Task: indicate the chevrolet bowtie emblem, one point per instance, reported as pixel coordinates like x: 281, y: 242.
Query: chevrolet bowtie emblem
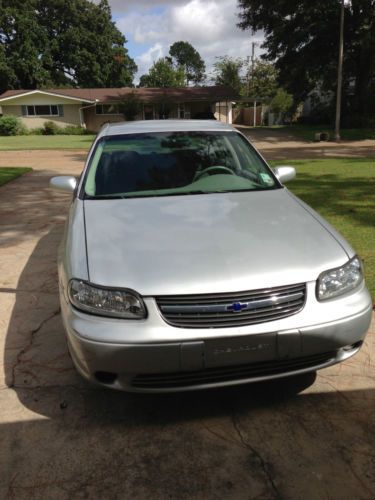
x: 237, y: 307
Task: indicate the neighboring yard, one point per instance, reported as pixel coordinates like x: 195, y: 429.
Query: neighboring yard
x: 9, y: 173
x: 21, y: 142
x: 24, y: 142
x: 342, y: 191
x: 308, y: 132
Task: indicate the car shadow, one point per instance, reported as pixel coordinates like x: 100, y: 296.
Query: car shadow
x: 66, y: 438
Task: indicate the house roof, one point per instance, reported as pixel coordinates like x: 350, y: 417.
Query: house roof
x: 13, y: 94
x: 145, y: 94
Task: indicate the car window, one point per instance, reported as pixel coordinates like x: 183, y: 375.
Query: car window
x: 172, y: 163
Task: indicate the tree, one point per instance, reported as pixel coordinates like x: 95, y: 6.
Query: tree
x: 59, y: 43
x: 8, y: 78
x: 184, y: 54
x: 130, y: 106
x: 261, y: 81
x: 163, y: 74
x: 227, y: 72
x: 302, y: 37
x: 281, y: 103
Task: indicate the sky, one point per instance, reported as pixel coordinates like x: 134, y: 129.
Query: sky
x: 209, y: 25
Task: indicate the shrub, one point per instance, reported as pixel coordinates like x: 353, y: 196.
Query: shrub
x: 282, y: 102
x: 72, y: 130
x: 36, y: 131
x: 50, y: 128
x: 130, y: 106
x: 11, y: 125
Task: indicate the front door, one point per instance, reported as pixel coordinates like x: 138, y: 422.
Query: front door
x: 148, y: 111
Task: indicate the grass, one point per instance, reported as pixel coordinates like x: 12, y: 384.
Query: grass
x: 342, y: 191
x: 308, y: 132
x: 7, y: 174
x: 21, y: 142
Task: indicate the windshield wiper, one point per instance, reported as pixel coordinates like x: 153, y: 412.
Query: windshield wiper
x: 104, y: 197
x: 193, y: 191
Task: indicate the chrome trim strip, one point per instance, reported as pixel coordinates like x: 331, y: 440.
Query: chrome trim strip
x: 245, y: 306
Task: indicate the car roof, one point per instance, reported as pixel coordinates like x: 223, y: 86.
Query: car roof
x: 147, y: 126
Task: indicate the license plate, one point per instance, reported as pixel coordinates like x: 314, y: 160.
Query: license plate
x: 240, y: 350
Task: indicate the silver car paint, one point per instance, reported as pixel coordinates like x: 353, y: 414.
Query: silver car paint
x: 206, y: 243
x: 72, y: 255
x: 228, y: 242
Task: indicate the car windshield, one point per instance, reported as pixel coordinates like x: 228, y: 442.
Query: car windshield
x: 175, y: 163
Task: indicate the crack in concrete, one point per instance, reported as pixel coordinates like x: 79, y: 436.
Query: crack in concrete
x: 263, y: 464
x: 29, y: 345
x: 220, y: 436
x: 22, y: 388
x: 25, y: 290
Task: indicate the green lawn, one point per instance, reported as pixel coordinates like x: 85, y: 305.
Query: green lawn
x: 9, y: 173
x: 342, y: 191
x: 20, y: 142
x: 308, y: 132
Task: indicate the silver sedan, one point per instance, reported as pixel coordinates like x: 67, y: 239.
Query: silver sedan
x: 187, y: 264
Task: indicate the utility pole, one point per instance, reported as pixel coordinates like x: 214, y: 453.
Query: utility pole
x: 250, y: 72
x: 252, y: 56
x: 339, y: 74
x: 253, y: 44
x: 247, y: 76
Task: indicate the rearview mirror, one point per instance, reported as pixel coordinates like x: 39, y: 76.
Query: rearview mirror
x: 285, y: 173
x: 66, y: 183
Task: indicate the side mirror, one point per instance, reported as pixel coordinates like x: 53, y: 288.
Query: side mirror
x: 65, y: 183
x: 285, y: 173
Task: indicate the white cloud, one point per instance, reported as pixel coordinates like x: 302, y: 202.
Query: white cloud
x: 144, y: 28
x: 146, y: 60
x: 203, y: 21
x: 126, y: 5
x: 209, y: 25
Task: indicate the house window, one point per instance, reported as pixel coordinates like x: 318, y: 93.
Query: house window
x: 42, y: 110
x: 107, y: 109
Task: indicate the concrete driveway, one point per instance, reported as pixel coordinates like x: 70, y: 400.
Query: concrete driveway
x: 308, y: 437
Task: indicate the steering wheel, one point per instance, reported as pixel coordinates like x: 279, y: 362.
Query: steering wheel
x: 198, y: 175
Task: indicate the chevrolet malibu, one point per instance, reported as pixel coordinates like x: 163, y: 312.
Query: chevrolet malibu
x: 186, y: 264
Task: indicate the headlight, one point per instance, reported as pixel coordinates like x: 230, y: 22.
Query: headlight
x: 106, y: 302
x: 339, y: 280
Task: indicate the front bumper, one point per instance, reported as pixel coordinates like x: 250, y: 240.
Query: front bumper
x: 167, y: 359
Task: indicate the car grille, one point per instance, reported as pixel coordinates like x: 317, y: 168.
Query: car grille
x: 224, y: 310
x: 230, y: 373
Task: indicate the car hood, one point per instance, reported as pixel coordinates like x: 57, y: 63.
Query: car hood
x: 222, y: 242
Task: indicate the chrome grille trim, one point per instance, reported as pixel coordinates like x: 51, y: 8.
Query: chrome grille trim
x: 225, y: 310
x: 254, y: 304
